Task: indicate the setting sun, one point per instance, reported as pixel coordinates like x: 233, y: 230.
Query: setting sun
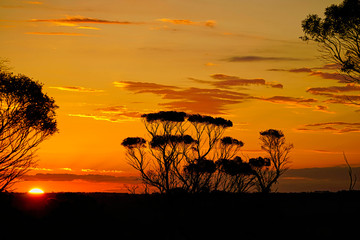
x: 36, y: 191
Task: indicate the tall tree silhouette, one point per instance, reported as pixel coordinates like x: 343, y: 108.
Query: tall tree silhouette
x: 338, y: 35
x: 268, y: 170
x: 27, y: 117
x: 182, y: 150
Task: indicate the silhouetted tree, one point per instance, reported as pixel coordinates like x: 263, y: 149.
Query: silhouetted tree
x: 338, y: 35
x: 208, y: 147
x: 234, y: 175
x: 27, y: 117
x: 268, y: 170
x: 182, y: 150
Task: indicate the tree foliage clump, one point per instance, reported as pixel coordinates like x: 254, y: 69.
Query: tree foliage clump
x: 27, y: 117
x: 189, y: 152
x: 338, y: 36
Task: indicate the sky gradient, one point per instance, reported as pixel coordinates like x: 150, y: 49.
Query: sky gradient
x: 107, y: 62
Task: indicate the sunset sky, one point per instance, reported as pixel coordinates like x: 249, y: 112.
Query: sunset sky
x: 106, y: 62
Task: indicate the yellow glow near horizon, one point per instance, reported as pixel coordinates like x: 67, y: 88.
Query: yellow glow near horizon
x: 36, y: 191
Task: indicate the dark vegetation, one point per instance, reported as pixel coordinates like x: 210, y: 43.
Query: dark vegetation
x: 27, y: 118
x: 338, y: 36
x: 188, y: 153
x: 182, y: 216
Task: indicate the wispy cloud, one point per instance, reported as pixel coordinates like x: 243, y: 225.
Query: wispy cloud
x: 82, y: 23
x: 199, y: 100
x: 118, y: 112
x: 258, y: 59
x: 95, y: 117
x: 78, y: 89
x: 81, y: 19
x: 322, y: 151
x: 332, y: 93
x: 142, y: 87
x: 214, y: 100
x: 341, y: 78
x: 56, y: 33
x: 333, y: 127
x: 322, y: 108
x: 208, y: 23
x: 226, y: 81
x: 114, y: 114
x: 304, y: 102
x: 333, y: 89
x: 299, y: 102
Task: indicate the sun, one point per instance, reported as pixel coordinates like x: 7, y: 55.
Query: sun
x: 36, y: 191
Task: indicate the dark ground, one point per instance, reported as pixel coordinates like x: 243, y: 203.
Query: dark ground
x: 204, y: 216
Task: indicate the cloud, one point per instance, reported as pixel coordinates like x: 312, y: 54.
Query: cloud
x: 206, y: 101
x: 293, y: 70
x: 333, y: 66
x: 332, y: 92
x: 258, y: 59
x: 208, y: 23
x: 78, y: 89
x: 95, y: 117
x: 351, y: 100
x: 226, y: 81
x: 213, y: 100
x: 333, y: 127
x: 322, y: 151
x: 341, y: 78
x: 197, y: 100
x: 88, y: 28
x: 298, y: 102
x: 74, y: 177
x: 119, y: 112
x: 334, y: 76
x: 333, y: 97
x: 81, y: 19
x: 322, y: 108
x: 114, y: 114
x: 333, y: 89
x: 304, y: 102
x: 56, y: 33
x: 142, y: 87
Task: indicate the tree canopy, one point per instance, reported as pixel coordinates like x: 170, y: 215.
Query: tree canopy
x: 338, y: 35
x: 27, y: 117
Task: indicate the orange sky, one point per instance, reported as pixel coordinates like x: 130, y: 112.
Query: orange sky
x: 106, y: 62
